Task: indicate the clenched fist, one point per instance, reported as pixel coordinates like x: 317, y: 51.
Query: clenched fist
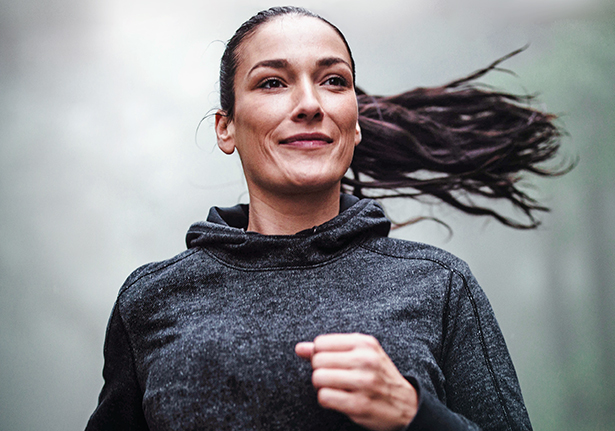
x: 354, y: 375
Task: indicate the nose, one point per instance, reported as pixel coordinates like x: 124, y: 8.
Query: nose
x: 308, y: 106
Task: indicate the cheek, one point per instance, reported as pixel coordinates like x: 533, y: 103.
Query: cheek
x: 259, y: 120
x: 347, y: 115
x: 253, y: 138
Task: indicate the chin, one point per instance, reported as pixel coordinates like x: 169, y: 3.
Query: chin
x: 311, y: 184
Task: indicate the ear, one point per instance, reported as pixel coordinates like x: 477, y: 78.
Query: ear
x: 357, y: 136
x: 225, y: 132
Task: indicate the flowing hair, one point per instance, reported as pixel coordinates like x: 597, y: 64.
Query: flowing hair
x: 452, y: 142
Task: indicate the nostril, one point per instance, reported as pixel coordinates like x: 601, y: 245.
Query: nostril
x: 305, y: 112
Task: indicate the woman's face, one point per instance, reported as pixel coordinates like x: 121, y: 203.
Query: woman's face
x: 296, y: 123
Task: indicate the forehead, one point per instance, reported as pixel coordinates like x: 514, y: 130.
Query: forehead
x: 292, y: 37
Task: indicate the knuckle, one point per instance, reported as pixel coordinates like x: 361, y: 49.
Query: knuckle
x: 358, y: 337
x: 367, y: 380
x: 371, y: 341
x: 319, y: 338
x: 316, y: 360
x: 370, y: 360
x: 318, y: 342
x: 366, y: 340
x: 318, y: 378
x: 322, y: 341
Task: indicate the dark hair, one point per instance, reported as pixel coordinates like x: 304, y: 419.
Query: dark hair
x: 230, y: 57
x: 453, y: 142
x: 449, y: 142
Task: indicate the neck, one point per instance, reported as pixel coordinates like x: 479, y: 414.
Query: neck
x: 289, y: 214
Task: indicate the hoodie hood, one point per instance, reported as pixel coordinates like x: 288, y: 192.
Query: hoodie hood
x: 224, y: 235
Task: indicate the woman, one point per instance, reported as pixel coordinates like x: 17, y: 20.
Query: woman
x: 297, y: 311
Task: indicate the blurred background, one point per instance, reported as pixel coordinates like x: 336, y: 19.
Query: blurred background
x: 102, y: 169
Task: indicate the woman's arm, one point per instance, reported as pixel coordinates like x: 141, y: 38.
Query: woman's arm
x: 119, y: 404
x: 481, y: 382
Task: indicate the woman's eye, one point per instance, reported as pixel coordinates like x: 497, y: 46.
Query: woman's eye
x: 336, y: 81
x: 272, y: 83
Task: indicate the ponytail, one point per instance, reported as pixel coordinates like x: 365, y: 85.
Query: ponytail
x: 453, y: 142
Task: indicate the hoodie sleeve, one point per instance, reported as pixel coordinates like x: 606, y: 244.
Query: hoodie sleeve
x: 434, y: 415
x: 119, y: 404
x: 481, y: 384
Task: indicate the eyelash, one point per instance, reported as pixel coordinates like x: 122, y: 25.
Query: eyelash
x: 342, y: 82
x: 266, y: 84
x: 338, y: 81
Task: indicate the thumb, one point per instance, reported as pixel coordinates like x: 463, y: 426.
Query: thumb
x: 305, y: 350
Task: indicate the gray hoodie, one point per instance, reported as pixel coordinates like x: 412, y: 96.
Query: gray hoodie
x: 205, y: 340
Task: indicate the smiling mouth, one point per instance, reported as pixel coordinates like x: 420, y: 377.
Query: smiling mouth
x: 307, y: 140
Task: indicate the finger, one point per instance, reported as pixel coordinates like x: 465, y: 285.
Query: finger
x: 357, y: 358
x: 348, y: 380
x: 369, y: 413
x: 328, y: 359
x: 342, y: 342
x: 342, y: 401
x: 305, y: 350
x: 362, y: 410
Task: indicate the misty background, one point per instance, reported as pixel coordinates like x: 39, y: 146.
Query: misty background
x: 102, y: 169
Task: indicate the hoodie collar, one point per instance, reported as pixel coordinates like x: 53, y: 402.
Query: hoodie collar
x: 224, y: 235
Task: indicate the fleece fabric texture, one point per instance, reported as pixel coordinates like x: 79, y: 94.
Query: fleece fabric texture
x: 205, y: 340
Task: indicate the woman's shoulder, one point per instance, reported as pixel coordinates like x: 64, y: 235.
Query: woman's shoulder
x: 428, y: 260
x: 154, y: 274
x: 412, y: 250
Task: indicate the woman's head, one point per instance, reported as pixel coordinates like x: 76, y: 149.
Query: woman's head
x: 294, y: 117
x: 230, y: 58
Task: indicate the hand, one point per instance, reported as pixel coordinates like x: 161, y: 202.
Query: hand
x: 354, y: 375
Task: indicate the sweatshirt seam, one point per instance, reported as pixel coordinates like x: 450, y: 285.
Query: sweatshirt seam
x: 483, y: 344
x: 445, y: 316
x: 184, y: 255
x: 442, y: 264
x: 486, y: 355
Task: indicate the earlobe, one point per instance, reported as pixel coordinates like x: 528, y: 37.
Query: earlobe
x: 225, y: 132
x: 357, y: 137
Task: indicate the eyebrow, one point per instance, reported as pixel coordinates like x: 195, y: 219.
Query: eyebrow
x: 330, y: 61
x: 274, y: 64
x: 282, y: 64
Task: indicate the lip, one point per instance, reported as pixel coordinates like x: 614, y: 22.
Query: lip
x: 307, y: 140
